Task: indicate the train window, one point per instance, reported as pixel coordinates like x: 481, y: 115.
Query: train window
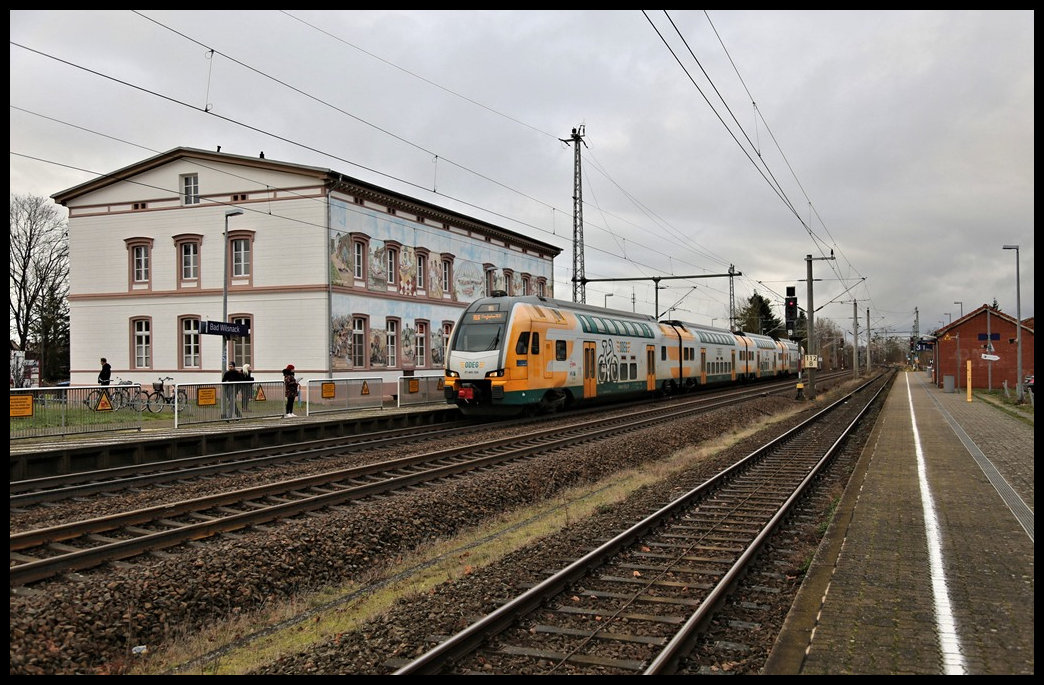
x: 663, y: 353
x: 478, y: 337
x: 523, y: 343
x: 535, y: 349
x: 634, y: 370
x: 560, y: 350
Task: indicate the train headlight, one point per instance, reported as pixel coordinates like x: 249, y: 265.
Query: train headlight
x: 499, y: 373
x: 452, y: 374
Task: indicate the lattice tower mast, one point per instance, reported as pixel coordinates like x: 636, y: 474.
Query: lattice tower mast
x: 579, y: 278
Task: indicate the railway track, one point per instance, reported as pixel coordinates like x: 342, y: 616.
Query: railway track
x: 44, y: 553
x: 30, y: 492
x: 637, y: 604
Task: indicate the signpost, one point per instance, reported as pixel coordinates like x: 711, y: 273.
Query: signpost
x: 226, y: 329
x: 991, y: 357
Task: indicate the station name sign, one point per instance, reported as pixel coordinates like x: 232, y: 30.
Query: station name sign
x: 222, y: 328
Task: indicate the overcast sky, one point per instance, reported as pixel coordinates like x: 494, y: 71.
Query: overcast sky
x: 901, y: 140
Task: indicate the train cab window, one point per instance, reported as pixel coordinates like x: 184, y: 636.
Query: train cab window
x: 663, y: 353
x: 535, y: 348
x: 560, y: 350
x: 523, y: 343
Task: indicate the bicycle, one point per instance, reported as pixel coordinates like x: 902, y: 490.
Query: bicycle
x: 159, y: 399
x: 120, y: 397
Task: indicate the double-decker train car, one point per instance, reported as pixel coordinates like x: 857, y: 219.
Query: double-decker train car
x: 511, y: 355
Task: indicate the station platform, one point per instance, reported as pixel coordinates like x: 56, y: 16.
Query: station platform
x: 927, y: 567
x: 159, y: 440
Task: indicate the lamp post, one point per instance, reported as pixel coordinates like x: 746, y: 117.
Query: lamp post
x: 1018, y: 324
x: 605, y: 302
x: 949, y: 315
x: 962, y: 307
x: 224, y: 290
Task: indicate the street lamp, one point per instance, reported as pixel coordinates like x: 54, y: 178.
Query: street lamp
x: 1018, y: 324
x: 605, y: 302
x: 949, y: 315
x: 224, y: 291
x: 962, y: 307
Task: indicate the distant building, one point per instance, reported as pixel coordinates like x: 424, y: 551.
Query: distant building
x: 335, y: 275
x: 984, y: 331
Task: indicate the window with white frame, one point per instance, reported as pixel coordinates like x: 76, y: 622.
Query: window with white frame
x: 360, y: 259
x: 393, y: 266
x: 189, y: 261
x: 359, y: 342
x: 142, y: 343
x: 190, y: 343
x: 242, y: 346
x: 421, y: 345
x: 445, y: 276
x: 141, y: 263
x: 240, y: 257
x: 190, y: 189
x: 422, y: 270
x: 525, y: 285
x: 392, y: 342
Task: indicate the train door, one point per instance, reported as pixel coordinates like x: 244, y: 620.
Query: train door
x: 590, y: 370
x: 732, y: 367
x: 703, y: 366
x: 650, y: 367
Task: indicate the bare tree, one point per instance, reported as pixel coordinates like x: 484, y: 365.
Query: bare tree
x: 39, y: 263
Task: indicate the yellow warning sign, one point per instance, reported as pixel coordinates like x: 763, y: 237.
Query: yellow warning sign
x: 365, y: 389
x: 329, y: 391
x: 104, y: 403
x: 414, y: 385
x: 259, y: 394
x: 442, y: 384
x: 21, y: 405
x: 206, y: 397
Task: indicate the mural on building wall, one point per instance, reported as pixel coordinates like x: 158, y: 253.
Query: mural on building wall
x: 468, y: 283
x: 342, y: 259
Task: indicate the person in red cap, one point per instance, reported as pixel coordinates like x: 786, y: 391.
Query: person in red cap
x: 290, y: 388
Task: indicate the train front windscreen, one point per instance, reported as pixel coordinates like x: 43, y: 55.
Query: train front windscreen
x: 480, y: 332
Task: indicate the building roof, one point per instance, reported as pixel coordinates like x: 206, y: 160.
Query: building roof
x: 333, y: 180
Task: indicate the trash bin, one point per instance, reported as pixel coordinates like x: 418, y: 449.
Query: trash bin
x: 948, y: 384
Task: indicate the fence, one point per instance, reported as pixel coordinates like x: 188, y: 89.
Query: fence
x: 39, y: 412
x: 341, y: 394
x: 415, y: 390
x: 216, y: 402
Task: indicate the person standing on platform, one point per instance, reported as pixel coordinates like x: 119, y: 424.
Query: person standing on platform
x: 228, y: 392
x: 105, y: 374
x: 246, y: 388
x: 290, y: 390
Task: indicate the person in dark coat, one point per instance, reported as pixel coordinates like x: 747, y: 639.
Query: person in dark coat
x: 290, y: 390
x: 228, y: 392
x: 105, y: 374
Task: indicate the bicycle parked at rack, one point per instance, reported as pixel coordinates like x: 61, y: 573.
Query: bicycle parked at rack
x: 121, y: 396
x: 159, y: 399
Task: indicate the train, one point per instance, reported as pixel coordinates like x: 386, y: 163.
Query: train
x: 513, y: 355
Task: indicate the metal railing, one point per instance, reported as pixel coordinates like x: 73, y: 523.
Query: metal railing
x: 414, y: 390
x: 39, y: 412
x: 229, y: 402
x: 342, y: 394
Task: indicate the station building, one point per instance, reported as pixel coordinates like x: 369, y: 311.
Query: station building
x: 977, y: 337
x: 335, y: 275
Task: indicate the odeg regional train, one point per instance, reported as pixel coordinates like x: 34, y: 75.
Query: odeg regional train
x: 513, y: 355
